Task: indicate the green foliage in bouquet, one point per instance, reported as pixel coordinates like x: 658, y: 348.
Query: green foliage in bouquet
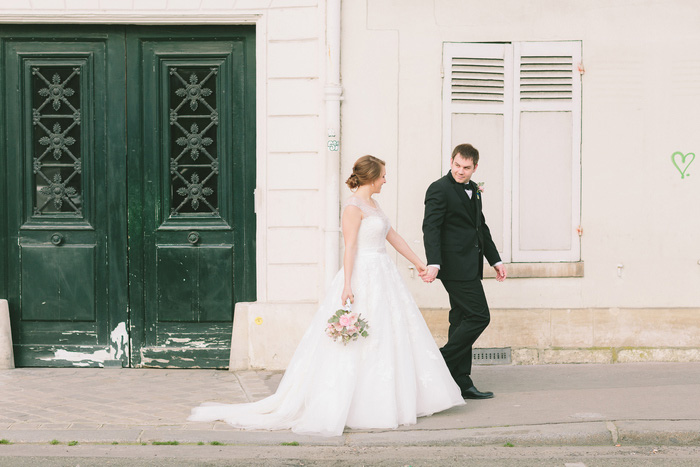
x: 344, y: 326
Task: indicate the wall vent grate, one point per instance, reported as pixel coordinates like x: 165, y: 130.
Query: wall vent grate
x: 491, y: 356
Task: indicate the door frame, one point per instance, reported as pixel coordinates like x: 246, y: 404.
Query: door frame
x: 165, y: 17
x: 112, y: 322
x: 244, y: 180
x: 4, y: 211
x: 127, y: 305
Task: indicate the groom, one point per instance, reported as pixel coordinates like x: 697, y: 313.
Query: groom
x: 456, y: 240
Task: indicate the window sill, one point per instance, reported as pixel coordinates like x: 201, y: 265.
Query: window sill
x: 522, y: 270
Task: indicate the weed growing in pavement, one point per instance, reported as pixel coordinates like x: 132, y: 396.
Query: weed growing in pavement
x: 508, y: 445
x: 5, y: 441
x: 201, y: 443
x: 72, y: 443
x: 216, y: 443
x: 293, y: 443
x: 54, y: 441
x: 115, y: 442
x: 165, y: 443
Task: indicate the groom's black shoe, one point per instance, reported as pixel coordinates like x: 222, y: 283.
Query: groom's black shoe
x: 474, y: 393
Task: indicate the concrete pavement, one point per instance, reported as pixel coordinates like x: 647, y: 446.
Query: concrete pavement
x: 576, y: 405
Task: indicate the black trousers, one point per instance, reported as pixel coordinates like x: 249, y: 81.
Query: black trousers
x: 469, y: 317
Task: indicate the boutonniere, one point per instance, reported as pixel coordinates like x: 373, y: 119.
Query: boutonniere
x: 479, y: 189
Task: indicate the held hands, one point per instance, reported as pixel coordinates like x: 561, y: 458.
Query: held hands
x: 429, y: 274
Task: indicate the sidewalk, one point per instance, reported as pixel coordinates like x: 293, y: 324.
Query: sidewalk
x: 628, y: 404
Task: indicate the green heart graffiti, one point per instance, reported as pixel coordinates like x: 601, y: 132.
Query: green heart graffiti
x: 683, y: 166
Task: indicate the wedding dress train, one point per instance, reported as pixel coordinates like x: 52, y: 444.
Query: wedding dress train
x: 387, y: 379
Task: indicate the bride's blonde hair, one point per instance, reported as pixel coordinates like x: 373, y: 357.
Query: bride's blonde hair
x: 366, y: 170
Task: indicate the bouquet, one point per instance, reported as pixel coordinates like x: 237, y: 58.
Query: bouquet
x: 344, y: 326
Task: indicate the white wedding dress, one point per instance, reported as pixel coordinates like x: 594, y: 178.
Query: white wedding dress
x: 382, y: 381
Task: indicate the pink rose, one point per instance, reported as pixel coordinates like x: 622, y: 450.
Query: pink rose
x: 345, y: 320
x: 352, y: 329
x: 353, y: 317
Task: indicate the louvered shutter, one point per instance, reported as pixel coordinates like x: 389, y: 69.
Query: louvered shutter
x: 520, y: 105
x: 546, y: 152
x: 477, y: 109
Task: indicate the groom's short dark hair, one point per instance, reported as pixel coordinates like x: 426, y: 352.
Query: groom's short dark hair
x: 467, y: 151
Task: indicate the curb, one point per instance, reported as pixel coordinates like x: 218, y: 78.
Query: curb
x: 606, y: 433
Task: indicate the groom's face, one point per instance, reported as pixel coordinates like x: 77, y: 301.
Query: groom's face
x: 462, y: 169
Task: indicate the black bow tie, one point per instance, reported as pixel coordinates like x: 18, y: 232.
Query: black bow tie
x: 468, y: 186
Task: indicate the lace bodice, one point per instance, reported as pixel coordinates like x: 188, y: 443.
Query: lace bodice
x: 374, y: 227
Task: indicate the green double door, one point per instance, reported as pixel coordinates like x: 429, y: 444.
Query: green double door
x: 127, y: 220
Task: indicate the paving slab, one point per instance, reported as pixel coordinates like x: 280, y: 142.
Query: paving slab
x: 589, y: 404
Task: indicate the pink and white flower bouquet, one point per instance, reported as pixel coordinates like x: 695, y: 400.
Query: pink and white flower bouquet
x: 345, y: 326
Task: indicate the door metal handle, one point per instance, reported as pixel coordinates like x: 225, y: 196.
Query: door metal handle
x: 193, y: 237
x: 57, y: 239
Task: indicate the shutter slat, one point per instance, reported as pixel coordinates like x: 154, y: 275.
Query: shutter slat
x: 478, y: 76
x: 546, y: 59
x: 547, y: 78
x: 477, y: 80
x: 490, y: 84
x: 476, y: 98
x: 478, y: 61
x: 477, y: 89
x: 545, y: 88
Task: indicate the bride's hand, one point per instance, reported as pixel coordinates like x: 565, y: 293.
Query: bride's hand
x: 422, y: 269
x: 347, y: 295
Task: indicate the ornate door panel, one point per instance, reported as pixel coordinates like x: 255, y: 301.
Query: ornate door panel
x: 66, y: 229
x: 184, y: 175
x: 191, y: 141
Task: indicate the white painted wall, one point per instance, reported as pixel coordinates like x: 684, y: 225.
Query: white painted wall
x: 641, y: 95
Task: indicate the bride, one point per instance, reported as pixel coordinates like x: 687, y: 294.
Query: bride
x: 387, y: 379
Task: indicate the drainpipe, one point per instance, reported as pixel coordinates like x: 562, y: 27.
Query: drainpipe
x: 333, y: 93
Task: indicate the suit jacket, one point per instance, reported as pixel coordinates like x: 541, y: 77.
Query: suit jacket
x: 455, y: 233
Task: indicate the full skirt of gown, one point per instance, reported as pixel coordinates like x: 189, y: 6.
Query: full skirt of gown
x: 387, y: 379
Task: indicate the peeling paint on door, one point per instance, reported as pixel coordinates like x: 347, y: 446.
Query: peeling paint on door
x: 80, y: 358
x: 120, y: 341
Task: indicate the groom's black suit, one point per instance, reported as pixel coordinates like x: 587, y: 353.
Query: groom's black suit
x: 457, y: 238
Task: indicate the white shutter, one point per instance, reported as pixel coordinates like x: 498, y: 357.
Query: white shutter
x: 477, y: 109
x: 546, y: 152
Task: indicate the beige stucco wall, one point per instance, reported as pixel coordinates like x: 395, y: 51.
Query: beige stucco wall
x: 641, y: 92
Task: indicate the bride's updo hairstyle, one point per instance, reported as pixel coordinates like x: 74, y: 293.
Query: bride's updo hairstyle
x: 366, y: 170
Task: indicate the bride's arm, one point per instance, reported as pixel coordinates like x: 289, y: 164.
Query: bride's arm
x: 352, y: 217
x: 402, y: 247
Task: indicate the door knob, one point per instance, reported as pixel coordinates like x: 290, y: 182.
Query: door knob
x: 193, y: 237
x: 57, y: 239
